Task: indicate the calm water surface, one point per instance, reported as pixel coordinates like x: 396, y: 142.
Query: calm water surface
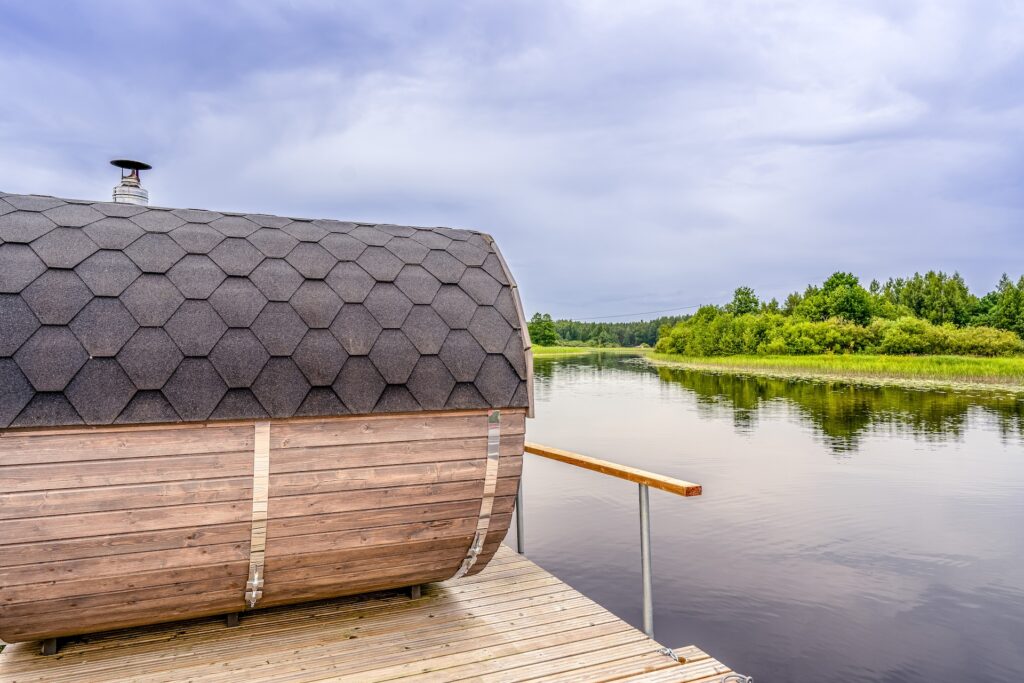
x: 845, y: 533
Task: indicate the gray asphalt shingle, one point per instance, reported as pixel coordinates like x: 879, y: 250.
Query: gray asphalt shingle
x: 196, y: 276
x: 19, y: 266
x: 17, y: 323
x: 197, y: 238
x: 100, y: 391
x: 236, y: 256
x: 316, y: 303
x: 239, y: 404
x: 150, y: 358
x: 50, y: 358
x: 24, y: 226
x: 113, y: 233
x: 108, y: 272
x: 47, y: 410
x: 195, y: 327
x: 157, y: 221
x: 64, y: 247
x: 238, y: 302
x: 57, y: 296
x: 117, y: 313
x: 104, y: 326
x: 152, y: 299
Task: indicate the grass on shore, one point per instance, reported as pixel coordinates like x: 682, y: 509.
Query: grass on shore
x: 1007, y: 372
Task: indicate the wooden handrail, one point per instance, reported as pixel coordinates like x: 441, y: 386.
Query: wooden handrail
x: 638, y: 476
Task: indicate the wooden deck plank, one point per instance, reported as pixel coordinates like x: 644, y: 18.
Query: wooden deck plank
x: 373, y: 640
x: 512, y: 622
x: 296, y: 621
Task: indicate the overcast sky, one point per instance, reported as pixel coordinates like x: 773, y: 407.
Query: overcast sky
x: 628, y: 156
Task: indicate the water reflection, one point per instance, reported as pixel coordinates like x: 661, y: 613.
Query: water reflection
x: 840, y: 413
x: 843, y: 413
x: 887, y: 561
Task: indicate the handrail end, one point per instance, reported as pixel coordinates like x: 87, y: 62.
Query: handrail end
x: 638, y: 476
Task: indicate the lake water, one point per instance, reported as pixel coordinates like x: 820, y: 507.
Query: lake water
x: 845, y: 533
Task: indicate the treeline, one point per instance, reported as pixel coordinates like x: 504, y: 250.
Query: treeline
x: 547, y: 332
x: 934, y: 313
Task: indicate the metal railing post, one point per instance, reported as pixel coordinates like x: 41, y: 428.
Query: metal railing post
x: 645, y: 479
x: 520, y: 530
x: 645, y: 558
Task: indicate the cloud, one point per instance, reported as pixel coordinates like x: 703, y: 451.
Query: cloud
x: 627, y: 156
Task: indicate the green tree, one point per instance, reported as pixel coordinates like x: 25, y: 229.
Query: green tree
x: 792, y: 302
x: 935, y: 296
x: 982, y: 311
x: 542, y: 330
x: 743, y: 301
x: 1007, y: 312
x: 840, y: 296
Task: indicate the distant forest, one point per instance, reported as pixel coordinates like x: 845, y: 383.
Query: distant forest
x: 922, y: 314
x: 547, y: 332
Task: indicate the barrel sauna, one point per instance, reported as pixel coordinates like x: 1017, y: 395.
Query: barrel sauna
x: 206, y: 413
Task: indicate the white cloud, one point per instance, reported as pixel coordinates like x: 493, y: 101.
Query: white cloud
x: 628, y: 156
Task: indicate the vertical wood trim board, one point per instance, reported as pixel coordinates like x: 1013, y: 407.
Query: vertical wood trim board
x: 260, y: 499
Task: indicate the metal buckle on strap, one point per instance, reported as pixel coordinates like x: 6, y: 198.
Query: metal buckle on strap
x: 253, y: 585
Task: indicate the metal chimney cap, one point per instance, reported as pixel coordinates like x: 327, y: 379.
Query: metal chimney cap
x: 130, y: 165
x: 130, y: 189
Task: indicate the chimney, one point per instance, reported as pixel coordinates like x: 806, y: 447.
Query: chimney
x: 130, y: 191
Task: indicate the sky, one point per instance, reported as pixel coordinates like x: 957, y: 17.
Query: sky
x: 628, y: 157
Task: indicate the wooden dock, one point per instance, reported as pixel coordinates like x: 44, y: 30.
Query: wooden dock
x: 512, y: 622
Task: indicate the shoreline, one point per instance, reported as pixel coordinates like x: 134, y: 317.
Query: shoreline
x: 917, y: 375
x: 1003, y: 386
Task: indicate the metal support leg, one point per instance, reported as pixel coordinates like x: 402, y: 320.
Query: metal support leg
x: 520, y: 530
x: 415, y: 592
x: 645, y: 558
x: 231, y: 619
x: 49, y: 646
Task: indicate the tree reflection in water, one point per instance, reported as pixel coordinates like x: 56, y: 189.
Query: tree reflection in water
x: 841, y: 413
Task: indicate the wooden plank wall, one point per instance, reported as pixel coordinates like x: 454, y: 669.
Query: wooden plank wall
x: 361, y: 505
x: 106, y: 528
x: 116, y: 527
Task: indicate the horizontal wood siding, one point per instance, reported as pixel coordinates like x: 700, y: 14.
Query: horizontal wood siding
x: 103, y: 528
x: 408, y: 486
x: 114, y: 527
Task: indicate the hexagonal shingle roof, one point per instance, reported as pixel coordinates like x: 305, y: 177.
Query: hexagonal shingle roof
x: 114, y: 313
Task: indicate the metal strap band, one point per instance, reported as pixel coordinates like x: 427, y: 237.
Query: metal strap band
x: 260, y: 491
x: 490, y: 486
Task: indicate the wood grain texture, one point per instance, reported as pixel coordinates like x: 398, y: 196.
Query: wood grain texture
x: 633, y: 474
x: 125, y: 497
x: 512, y: 622
x: 114, y: 527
